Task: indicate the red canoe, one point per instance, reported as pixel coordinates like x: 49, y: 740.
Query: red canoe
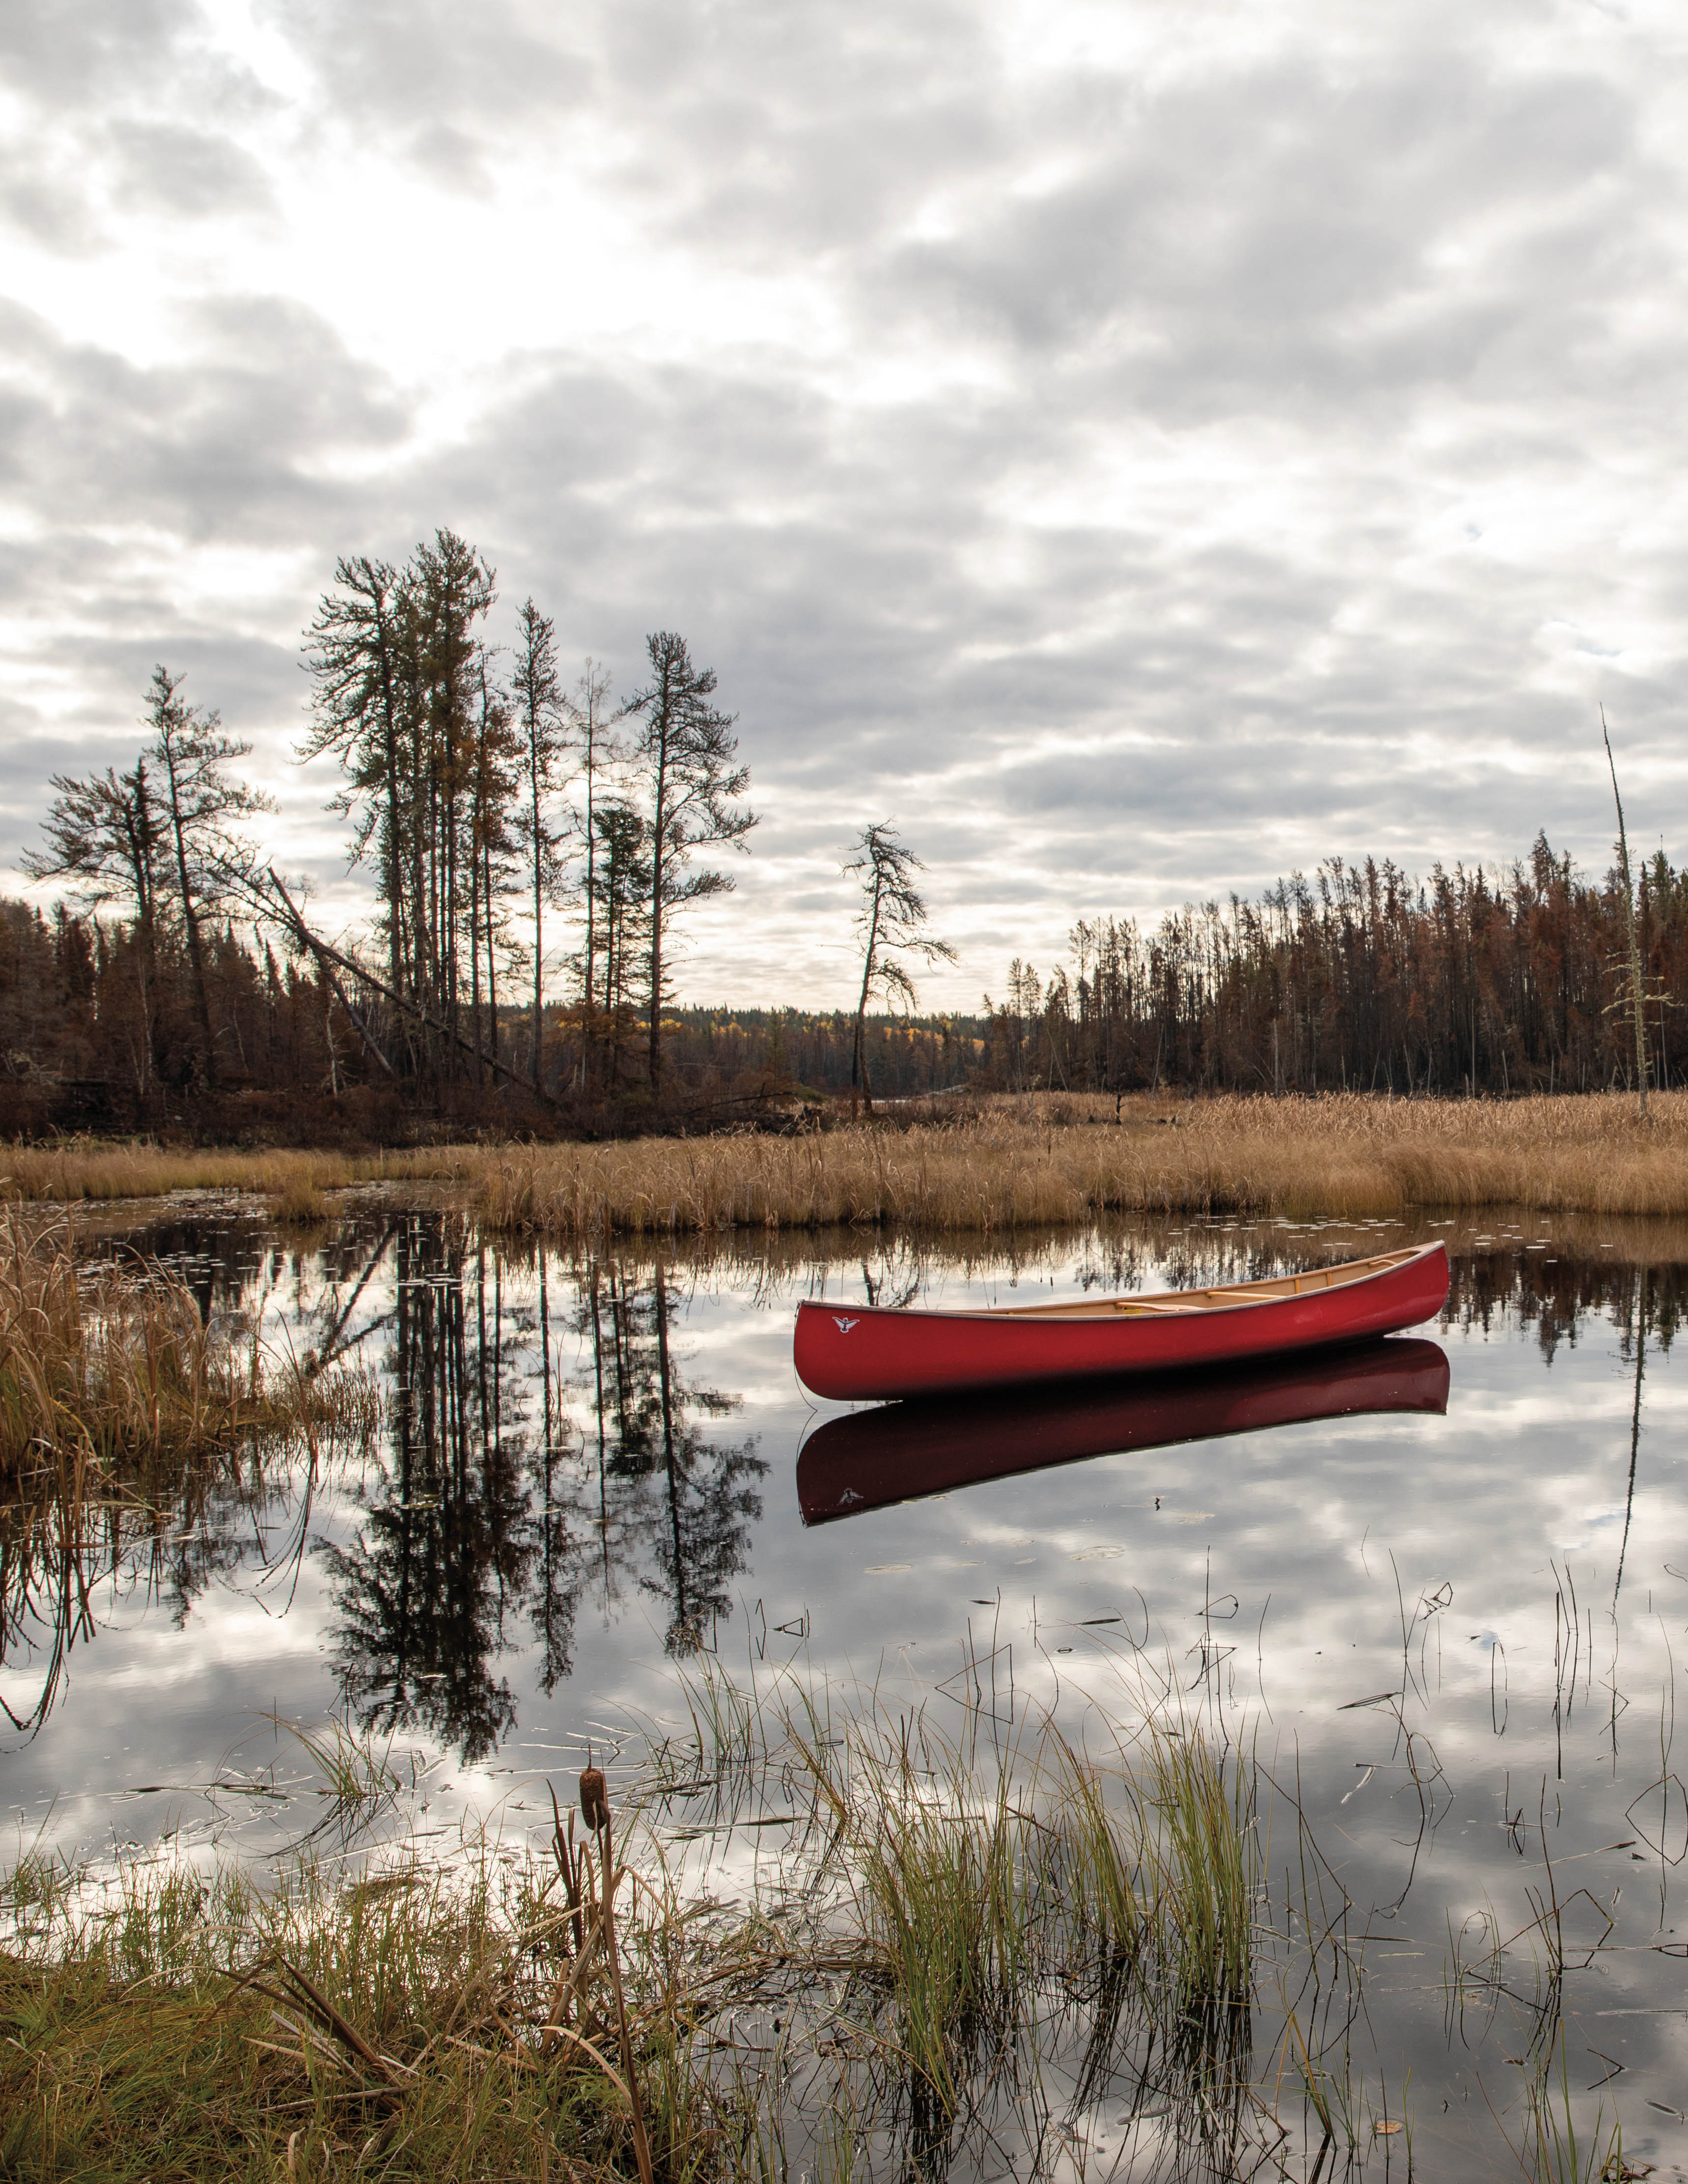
x: 864, y: 1353
x: 865, y: 1459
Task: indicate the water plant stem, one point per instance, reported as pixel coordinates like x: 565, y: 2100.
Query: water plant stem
x: 595, y: 1805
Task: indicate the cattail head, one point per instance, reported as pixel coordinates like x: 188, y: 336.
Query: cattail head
x: 594, y: 1800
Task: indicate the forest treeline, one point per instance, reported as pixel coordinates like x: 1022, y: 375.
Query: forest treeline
x: 294, y: 1069
x: 1363, y: 978
x: 534, y: 846
x: 1357, y: 977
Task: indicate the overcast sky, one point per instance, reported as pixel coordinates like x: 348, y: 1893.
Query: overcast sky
x: 1137, y: 448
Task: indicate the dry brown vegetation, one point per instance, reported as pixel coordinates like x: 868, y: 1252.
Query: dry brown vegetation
x: 103, y: 1366
x: 77, y: 1169
x: 980, y: 1167
x: 1016, y: 1163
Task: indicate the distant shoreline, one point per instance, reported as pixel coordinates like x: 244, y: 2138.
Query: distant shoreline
x: 982, y: 1166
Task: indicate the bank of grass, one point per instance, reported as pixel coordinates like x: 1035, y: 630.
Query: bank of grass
x: 108, y: 1371
x: 947, y: 1962
x: 977, y: 1166
x: 74, y: 1171
x: 1010, y: 1165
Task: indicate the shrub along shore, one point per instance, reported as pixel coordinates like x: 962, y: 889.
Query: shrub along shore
x: 978, y: 1167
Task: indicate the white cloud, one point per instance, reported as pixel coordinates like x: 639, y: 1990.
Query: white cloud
x: 1138, y: 450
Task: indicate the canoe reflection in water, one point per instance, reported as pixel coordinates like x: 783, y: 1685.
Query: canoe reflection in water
x: 902, y: 1450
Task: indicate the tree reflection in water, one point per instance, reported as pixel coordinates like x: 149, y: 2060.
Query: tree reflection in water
x: 423, y: 1590
x: 666, y: 1499
x: 483, y: 1508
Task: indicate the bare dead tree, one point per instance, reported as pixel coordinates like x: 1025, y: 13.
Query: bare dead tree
x: 1634, y: 1002
x: 891, y: 922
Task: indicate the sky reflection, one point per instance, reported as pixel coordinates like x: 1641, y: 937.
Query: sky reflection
x: 1455, y: 1630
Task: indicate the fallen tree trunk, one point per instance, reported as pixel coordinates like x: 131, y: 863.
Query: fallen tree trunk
x: 325, y: 954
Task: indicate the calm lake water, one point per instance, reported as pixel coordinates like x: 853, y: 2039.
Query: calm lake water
x: 1441, y: 1585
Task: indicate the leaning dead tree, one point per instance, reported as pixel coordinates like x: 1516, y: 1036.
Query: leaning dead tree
x: 330, y: 962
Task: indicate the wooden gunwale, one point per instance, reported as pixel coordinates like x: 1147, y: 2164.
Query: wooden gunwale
x: 1225, y: 1298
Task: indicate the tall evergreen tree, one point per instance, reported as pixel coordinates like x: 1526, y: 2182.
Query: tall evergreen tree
x: 594, y: 727
x: 360, y: 660
x: 684, y: 752
x: 202, y: 804
x: 402, y: 701
x: 494, y: 810
x: 543, y: 722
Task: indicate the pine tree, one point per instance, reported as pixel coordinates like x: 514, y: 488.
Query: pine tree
x: 890, y: 922
x: 594, y: 728
x: 361, y: 663
x: 684, y: 752
x: 202, y: 804
x: 543, y: 721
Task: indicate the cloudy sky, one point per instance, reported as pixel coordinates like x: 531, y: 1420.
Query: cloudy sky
x: 1139, y: 448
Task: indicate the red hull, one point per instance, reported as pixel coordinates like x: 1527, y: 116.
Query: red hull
x: 868, y: 1458
x: 865, y: 1353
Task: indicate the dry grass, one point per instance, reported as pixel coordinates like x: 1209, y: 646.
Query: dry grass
x: 117, y: 1402
x: 80, y: 1169
x: 991, y: 1165
x: 103, y: 1368
x: 1014, y: 1165
x: 949, y: 1959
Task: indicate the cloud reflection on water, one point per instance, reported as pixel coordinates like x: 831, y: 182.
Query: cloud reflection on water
x: 584, y: 1478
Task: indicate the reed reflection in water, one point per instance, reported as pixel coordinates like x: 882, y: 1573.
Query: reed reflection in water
x: 571, y: 1496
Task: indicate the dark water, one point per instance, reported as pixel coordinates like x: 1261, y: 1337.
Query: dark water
x: 1442, y: 1585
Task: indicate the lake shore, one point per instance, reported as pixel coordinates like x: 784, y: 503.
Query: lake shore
x: 981, y: 1167
x: 916, y: 1930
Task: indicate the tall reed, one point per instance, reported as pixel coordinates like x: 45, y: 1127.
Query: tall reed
x: 113, y: 1365
x: 1013, y: 1165
x: 950, y: 1961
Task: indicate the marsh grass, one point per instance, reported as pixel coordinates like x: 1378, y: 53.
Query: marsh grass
x: 187, y: 2027
x: 1040, y: 1938
x: 114, y: 1367
x: 1008, y: 1166
x: 960, y: 1954
x: 118, y: 1402
x: 360, y: 1780
x: 85, y: 1170
x: 300, y: 1204
x: 987, y: 1165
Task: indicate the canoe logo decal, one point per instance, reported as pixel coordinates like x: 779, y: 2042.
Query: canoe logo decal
x: 842, y: 1325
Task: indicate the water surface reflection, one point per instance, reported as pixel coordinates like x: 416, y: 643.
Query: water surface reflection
x: 1437, y: 1585
x: 901, y: 1451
